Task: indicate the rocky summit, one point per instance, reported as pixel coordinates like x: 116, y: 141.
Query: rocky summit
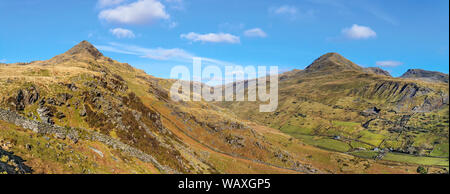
x: 82, y: 112
x: 377, y: 71
x: 424, y: 75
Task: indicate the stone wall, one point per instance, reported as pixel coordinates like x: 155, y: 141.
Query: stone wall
x: 76, y: 134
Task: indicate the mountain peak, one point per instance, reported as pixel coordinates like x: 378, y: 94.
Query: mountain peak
x: 421, y: 74
x: 332, y: 62
x: 377, y: 70
x: 84, y: 47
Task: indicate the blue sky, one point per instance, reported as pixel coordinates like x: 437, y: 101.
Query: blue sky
x: 155, y: 35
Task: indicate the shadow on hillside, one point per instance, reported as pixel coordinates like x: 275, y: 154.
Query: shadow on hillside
x: 12, y: 164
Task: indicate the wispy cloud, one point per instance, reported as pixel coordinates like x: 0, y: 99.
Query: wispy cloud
x: 291, y: 12
x: 173, y: 25
x: 122, y: 33
x: 139, y: 12
x: 3, y: 60
x: 388, y: 63
x: 284, y: 10
x: 231, y: 27
x: 351, y: 7
x: 378, y: 13
x: 108, y: 3
x: 175, y: 54
x: 357, y: 32
x: 212, y: 37
x: 160, y: 54
x: 255, y: 32
x: 176, y: 4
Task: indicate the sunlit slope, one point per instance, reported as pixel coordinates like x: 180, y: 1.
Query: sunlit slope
x: 83, y: 89
x: 346, y: 108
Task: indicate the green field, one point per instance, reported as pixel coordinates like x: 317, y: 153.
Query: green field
x: 397, y: 157
x: 365, y: 154
x: 440, y: 150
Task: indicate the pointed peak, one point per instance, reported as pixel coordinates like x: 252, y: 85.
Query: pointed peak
x: 331, y: 55
x: 84, y: 47
x: 415, y: 71
x: 332, y: 61
x: 85, y: 43
x: 377, y: 70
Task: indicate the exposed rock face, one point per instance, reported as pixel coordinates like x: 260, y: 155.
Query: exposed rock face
x: 112, y: 83
x: 432, y: 76
x: 377, y: 70
x: 235, y: 140
x: 404, y: 95
x: 23, y: 98
x: 370, y: 112
x: 46, y: 113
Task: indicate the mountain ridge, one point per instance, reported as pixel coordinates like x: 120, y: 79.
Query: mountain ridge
x: 83, y: 89
x: 433, y: 76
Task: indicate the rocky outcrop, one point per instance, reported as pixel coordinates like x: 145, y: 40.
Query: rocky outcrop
x: 75, y: 134
x: 370, y: 112
x: 377, y: 70
x: 431, y: 76
x: 404, y: 95
x: 23, y: 98
x: 71, y: 86
x: 235, y: 140
x: 46, y: 113
x: 11, y: 164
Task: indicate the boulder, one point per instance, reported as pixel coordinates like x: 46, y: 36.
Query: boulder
x: 82, y: 111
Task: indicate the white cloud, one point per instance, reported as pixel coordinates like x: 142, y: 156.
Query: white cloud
x: 284, y: 10
x: 255, y: 32
x: 122, y: 33
x: 176, y: 4
x: 211, y: 37
x: 388, y: 63
x: 359, y: 32
x: 3, y: 60
x: 139, y: 12
x: 108, y: 3
x: 291, y: 12
x: 159, y: 53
